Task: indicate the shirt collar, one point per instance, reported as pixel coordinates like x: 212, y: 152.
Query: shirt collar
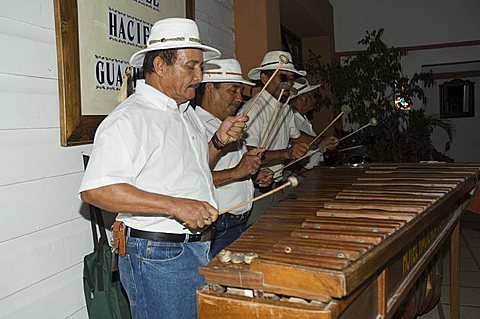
x: 206, y: 116
x: 269, y: 99
x: 159, y: 98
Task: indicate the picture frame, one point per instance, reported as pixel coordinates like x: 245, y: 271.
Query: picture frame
x: 77, y: 128
x: 457, y: 99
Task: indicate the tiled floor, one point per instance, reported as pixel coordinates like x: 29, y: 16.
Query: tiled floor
x: 469, y: 273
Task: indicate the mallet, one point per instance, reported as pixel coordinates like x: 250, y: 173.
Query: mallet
x: 321, y: 148
x: 344, y: 110
x: 282, y: 60
x: 373, y: 122
x: 292, y: 93
x: 292, y: 181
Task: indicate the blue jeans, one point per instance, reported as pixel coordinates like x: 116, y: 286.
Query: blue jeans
x: 161, y: 277
x: 228, y: 228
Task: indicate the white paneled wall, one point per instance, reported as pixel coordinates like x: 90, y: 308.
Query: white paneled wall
x: 43, y: 235
x: 216, y: 24
x: 43, y: 232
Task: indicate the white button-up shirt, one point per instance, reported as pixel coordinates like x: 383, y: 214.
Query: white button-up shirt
x: 233, y: 193
x: 260, y: 115
x: 305, y: 126
x: 151, y: 143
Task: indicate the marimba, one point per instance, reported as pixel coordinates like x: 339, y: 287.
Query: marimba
x: 347, y: 243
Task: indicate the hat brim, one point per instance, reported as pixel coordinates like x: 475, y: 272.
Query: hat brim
x: 254, y: 74
x: 309, y: 89
x: 227, y: 81
x: 208, y: 52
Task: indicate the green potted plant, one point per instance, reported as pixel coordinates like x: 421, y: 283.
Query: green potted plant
x: 373, y: 84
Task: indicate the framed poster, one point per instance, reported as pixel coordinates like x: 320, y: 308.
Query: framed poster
x: 95, y: 40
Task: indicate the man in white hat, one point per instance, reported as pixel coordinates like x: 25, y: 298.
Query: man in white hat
x: 150, y: 162
x: 221, y: 96
x: 287, y: 142
x: 303, y: 103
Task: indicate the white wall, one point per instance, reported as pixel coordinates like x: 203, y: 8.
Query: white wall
x: 43, y: 234
x: 417, y: 23
x: 216, y: 25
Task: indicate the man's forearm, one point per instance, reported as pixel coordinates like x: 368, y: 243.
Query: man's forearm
x: 213, y: 155
x: 274, y: 157
x: 227, y: 176
x: 126, y: 198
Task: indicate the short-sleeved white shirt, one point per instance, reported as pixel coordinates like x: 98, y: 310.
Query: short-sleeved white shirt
x: 260, y: 115
x: 305, y: 126
x: 153, y: 144
x: 233, y: 193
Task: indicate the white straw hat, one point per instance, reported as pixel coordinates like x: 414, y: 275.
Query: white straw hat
x: 174, y: 33
x: 304, y: 87
x: 271, y: 60
x: 225, y: 70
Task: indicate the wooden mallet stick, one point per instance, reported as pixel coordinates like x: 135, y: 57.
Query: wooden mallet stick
x: 292, y: 181
x: 350, y: 148
x: 373, y: 122
x: 282, y: 60
x: 309, y: 153
x: 293, y: 92
x: 344, y: 109
x: 284, y: 86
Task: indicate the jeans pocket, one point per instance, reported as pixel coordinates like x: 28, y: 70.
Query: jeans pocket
x: 220, y: 228
x: 158, y: 251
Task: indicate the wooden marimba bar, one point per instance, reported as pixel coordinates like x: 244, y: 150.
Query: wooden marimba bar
x: 347, y: 243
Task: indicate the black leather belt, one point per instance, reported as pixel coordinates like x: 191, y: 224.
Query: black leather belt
x: 237, y: 217
x: 206, y: 235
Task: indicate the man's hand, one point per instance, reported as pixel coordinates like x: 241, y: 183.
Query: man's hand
x: 196, y: 214
x: 231, y: 129
x: 297, y: 150
x: 330, y: 142
x: 250, y: 162
x: 264, y: 177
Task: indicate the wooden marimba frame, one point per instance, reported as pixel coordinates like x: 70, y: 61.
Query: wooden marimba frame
x: 347, y: 243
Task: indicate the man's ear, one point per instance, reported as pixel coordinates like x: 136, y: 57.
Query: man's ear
x: 158, y: 65
x: 264, y: 78
x: 209, y: 88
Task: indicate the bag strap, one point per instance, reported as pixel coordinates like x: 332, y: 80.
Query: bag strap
x: 96, y: 220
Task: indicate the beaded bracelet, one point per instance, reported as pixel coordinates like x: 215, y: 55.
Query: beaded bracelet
x: 216, y: 142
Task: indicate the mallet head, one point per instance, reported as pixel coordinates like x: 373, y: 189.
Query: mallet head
x: 284, y: 86
x: 293, y: 181
x: 283, y: 58
x: 345, y: 108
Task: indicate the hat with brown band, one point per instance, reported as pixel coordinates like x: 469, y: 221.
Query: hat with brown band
x: 174, y: 33
x: 271, y: 61
x: 223, y: 70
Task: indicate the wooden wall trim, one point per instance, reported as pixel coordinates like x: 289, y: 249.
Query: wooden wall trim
x: 340, y: 54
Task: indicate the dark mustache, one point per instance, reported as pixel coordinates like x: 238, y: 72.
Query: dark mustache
x: 194, y: 85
